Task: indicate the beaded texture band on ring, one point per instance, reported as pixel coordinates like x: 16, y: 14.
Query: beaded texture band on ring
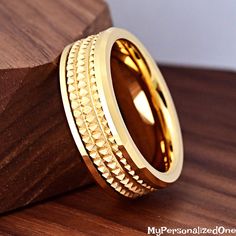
x: 96, y: 122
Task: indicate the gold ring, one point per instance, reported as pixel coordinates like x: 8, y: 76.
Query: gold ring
x: 120, y: 113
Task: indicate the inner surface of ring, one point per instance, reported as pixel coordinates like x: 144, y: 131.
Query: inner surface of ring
x: 142, y: 104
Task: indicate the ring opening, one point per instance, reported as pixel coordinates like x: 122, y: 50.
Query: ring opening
x: 142, y: 104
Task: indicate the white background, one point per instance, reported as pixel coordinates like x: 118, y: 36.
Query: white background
x: 184, y: 32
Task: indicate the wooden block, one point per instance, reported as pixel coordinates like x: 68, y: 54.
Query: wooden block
x: 38, y: 157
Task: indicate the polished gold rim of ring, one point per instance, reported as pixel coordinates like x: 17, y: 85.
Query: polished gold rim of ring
x: 98, y: 125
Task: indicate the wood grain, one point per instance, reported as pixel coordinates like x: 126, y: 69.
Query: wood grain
x: 38, y: 157
x: 205, y: 194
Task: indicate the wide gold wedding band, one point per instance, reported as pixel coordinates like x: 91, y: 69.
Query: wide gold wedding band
x: 120, y: 113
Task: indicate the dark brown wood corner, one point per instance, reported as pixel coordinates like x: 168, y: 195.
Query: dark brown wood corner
x: 38, y: 157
